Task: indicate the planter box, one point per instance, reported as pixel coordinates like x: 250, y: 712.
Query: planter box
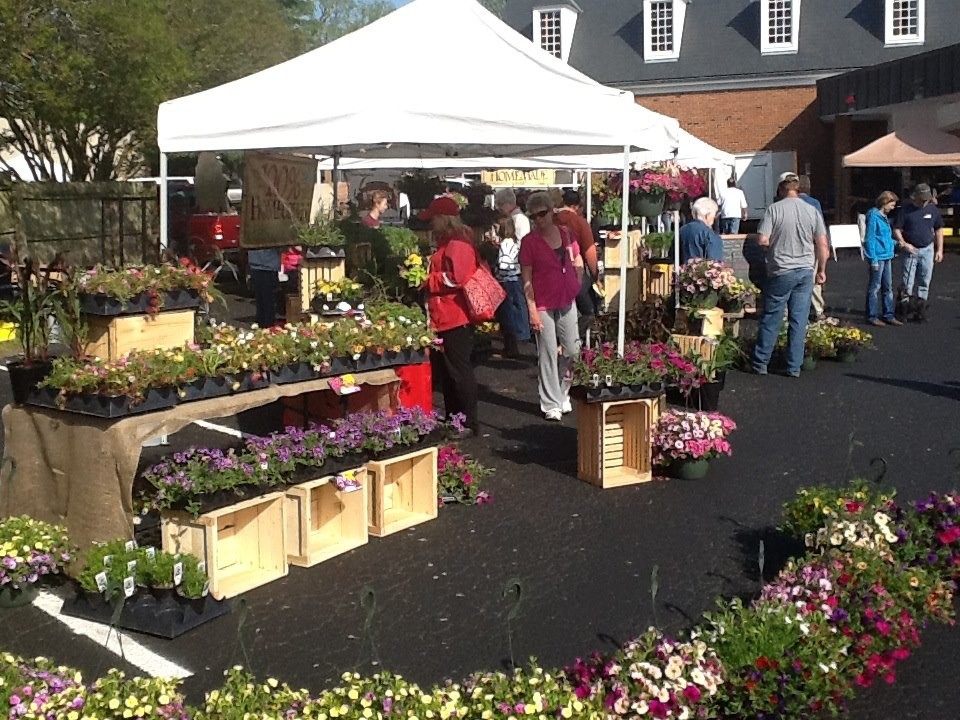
x: 110, y: 338
x: 162, y: 613
x: 588, y: 394
x: 703, y: 346
x: 708, y: 323
x: 242, y: 544
x: 613, y: 442
x: 656, y: 279
x: 613, y: 247
x: 105, y: 406
x: 106, y: 305
x: 402, y: 491
x: 611, y: 288
x: 323, y: 522
x: 316, y: 269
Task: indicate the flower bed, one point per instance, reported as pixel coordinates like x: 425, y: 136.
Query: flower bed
x: 199, y: 480
x: 840, y: 617
x: 644, y: 370
x: 243, y: 359
x: 148, y: 289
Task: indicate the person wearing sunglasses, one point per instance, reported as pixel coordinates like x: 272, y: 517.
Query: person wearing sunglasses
x: 552, y: 270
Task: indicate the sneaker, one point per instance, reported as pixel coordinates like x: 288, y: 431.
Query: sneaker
x: 793, y: 373
x: 892, y: 321
x: 555, y: 415
x: 759, y: 369
x: 566, y: 407
x: 877, y: 322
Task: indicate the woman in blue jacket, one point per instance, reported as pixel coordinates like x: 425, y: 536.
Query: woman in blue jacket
x: 878, y: 247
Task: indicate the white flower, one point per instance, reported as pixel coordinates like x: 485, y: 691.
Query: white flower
x: 804, y: 628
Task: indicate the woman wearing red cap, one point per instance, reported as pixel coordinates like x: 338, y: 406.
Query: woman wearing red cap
x: 451, y: 266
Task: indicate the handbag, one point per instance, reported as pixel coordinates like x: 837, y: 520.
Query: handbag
x: 483, y: 294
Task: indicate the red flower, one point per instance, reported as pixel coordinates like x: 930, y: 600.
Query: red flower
x: 762, y: 663
x: 949, y: 536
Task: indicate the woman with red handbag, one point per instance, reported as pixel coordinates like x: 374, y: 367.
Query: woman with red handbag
x: 451, y: 267
x: 552, y: 271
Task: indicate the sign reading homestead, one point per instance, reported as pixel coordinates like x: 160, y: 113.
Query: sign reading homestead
x: 277, y: 196
x: 519, y: 178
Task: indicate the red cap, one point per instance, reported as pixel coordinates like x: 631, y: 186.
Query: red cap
x: 443, y: 205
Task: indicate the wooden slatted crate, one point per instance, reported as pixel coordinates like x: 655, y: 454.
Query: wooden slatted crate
x: 613, y: 245
x: 614, y: 442
x: 656, y: 280
x: 323, y: 522
x: 703, y: 346
x: 611, y: 288
x: 402, y: 491
x: 242, y: 545
x: 112, y: 337
x: 314, y: 270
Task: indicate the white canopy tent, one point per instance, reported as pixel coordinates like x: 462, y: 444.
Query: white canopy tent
x: 548, y: 109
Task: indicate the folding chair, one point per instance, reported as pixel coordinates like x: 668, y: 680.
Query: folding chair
x: 845, y: 236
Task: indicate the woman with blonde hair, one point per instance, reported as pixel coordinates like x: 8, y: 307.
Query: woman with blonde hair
x: 552, y: 271
x: 379, y: 203
x: 878, y: 249
x: 454, y: 262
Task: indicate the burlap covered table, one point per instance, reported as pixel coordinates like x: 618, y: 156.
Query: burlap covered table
x: 78, y: 470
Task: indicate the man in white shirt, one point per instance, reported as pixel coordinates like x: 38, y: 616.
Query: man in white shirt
x: 733, y: 208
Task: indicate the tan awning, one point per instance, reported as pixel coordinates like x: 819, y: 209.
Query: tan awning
x: 914, y: 147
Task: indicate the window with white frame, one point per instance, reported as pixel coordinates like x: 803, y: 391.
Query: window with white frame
x: 662, y: 29
x: 550, y: 32
x: 779, y: 26
x: 904, y: 22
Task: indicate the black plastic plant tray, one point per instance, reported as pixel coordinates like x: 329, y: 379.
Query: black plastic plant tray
x: 323, y: 252
x: 616, y: 392
x: 295, y: 372
x: 162, y: 613
x: 106, y: 406
x: 108, y: 305
x: 404, y: 357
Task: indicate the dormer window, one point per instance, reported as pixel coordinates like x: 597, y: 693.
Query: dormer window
x: 662, y: 29
x: 553, y: 27
x: 779, y: 26
x: 904, y: 22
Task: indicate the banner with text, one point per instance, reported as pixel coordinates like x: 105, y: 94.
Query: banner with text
x: 519, y: 178
x: 277, y: 196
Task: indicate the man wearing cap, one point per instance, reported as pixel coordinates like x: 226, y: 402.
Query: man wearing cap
x: 796, y: 240
x: 918, y: 231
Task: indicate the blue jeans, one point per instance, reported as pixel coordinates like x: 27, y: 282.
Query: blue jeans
x: 881, y: 284
x: 729, y: 226
x: 512, y: 314
x: 792, y: 289
x: 919, y: 267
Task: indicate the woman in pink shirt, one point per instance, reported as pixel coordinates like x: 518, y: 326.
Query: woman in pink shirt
x: 552, y: 270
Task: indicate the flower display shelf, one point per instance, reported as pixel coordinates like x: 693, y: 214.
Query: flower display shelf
x: 162, y: 613
x: 105, y: 406
x: 612, y: 393
x: 613, y: 246
x: 108, y: 305
x: 243, y: 545
x: 709, y: 322
x: 656, y: 279
x: 314, y: 270
x: 402, y: 491
x: 323, y: 521
x: 110, y: 337
x: 613, y: 441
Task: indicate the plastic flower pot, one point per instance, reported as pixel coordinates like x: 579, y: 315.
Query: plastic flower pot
x: 24, y: 378
x: 809, y: 363
x: 847, y: 356
x: 688, y: 469
x: 13, y: 598
x: 709, y: 396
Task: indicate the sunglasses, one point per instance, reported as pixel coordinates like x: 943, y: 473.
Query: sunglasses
x: 540, y: 214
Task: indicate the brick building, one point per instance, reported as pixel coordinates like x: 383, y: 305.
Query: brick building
x: 741, y: 74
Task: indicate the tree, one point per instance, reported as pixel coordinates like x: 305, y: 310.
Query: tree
x: 82, y: 78
x: 334, y: 18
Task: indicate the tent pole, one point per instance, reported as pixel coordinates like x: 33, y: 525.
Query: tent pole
x: 624, y: 249
x: 589, y: 194
x: 676, y: 259
x: 164, y: 204
x: 336, y: 184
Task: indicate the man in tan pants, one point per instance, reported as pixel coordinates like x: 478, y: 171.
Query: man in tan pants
x: 816, y: 303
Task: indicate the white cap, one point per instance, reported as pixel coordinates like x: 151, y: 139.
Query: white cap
x: 789, y: 175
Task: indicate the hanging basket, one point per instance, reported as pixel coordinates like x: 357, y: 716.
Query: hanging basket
x: 646, y: 205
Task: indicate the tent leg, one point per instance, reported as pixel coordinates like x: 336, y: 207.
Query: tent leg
x: 164, y: 205
x: 336, y: 185
x: 589, y: 194
x: 624, y: 248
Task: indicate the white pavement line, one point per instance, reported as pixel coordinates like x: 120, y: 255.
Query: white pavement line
x: 133, y: 652
x: 219, y: 428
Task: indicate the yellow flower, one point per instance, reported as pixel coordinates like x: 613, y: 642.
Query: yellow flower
x: 113, y: 704
x: 914, y: 581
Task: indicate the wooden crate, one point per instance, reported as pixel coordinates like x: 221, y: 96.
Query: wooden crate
x: 323, y: 522
x: 656, y: 280
x: 703, y: 346
x: 614, y: 442
x: 242, y: 544
x: 315, y: 270
x: 112, y: 337
x: 613, y: 245
x: 611, y: 289
x: 708, y: 323
x: 402, y: 492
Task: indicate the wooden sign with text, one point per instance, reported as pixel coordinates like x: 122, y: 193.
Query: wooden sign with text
x: 277, y: 196
x: 519, y: 178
